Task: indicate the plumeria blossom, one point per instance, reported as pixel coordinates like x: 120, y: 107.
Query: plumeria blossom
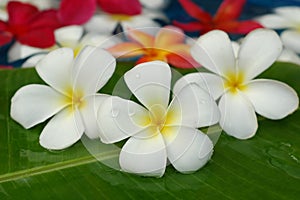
x: 226, y: 18
x: 233, y: 83
x: 69, y: 36
x: 107, y: 23
x: 155, y: 4
x: 70, y: 98
x: 27, y: 24
x: 167, y: 45
x: 285, y: 18
x: 158, y: 131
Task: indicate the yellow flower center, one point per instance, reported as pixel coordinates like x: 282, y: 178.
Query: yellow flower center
x: 75, y: 98
x: 121, y: 17
x: 158, y: 116
x: 235, y: 82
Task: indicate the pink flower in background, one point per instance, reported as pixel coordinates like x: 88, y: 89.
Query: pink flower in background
x: 226, y: 18
x: 167, y: 45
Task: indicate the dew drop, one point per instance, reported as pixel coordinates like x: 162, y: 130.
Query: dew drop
x: 138, y: 76
x: 131, y: 112
x: 115, y: 113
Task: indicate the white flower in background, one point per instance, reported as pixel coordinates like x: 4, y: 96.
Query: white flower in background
x: 70, y: 98
x: 105, y: 23
x: 68, y: 36
x: 233, y: 82
x: 155, y: 4
x: 290, y: 56
x: 159, y: 131
x: 285, y: 18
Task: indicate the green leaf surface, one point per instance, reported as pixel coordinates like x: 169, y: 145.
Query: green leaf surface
x: 264, y: 167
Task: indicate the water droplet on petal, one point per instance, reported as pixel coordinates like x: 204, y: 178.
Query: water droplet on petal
x: 131, y: 112
x: 137, y: 76
x: 115, y: 112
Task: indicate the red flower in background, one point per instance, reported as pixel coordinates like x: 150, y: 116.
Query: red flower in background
x: 225, y: 18
x: 28, y: 25
x: 125, y: 7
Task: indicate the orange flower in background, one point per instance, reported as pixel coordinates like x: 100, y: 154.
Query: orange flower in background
x: 226, y: 18
x: 167, y: 45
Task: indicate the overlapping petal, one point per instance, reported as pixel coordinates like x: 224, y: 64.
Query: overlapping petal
x: 189, y: 150
x: 33, y: 104
x: 194, y: 107
x: 169, y: 36
x: 89, y: 114
x: 126, y: 49
x: 275, y: 21
x: 55, y: 69
x: 147, y: 157
x: 95, y: 65
x: 229, y: 10
x: 290, y: 39
x: 150, y: 83
x: 214, y: 51
x: 119, y: 118
x: 272, y: 99
x: 68, y: 36
x: 211, y: 83
x: 257, y: 43
x: 238, y: 117
x: 63, y: 130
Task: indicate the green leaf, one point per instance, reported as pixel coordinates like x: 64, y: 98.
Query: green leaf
x: 264, y: 167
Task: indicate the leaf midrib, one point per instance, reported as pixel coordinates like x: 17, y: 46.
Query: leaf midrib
x: 57, y: 166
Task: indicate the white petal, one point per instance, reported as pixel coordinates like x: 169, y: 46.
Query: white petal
x: 189, y: 150
x: 63, y: 130
x: 33, y: 104
x: 274, y: 21
x: 194, y: 106
x: 291, y: 13
x: 89, y: 114
x: 211, y: 83
x: 238, y: 117
x: 20, y: 51
x: 33, y: 60
x: 92, y: 69
x: 140, y: 22
x: 236, y: 48
x: 288, y: 55
x: 120, y: 118
x: 258, y: 51
x: 68, y: 36
x: 155, y: 4
x: 55, y: 68
x: 272, y: 99
x: 214, y: 51
x: 145, y: 157
x: 150, y: 83
x: 92, y: 39
x: 291, y: 40
x: 101, y: 24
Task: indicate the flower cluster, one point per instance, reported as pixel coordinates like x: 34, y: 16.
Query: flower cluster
x: 77, y: 55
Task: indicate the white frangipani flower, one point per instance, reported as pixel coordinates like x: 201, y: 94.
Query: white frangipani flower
x: 105, y: 23
x: 155, y: 4
x: 240, y: 95
x: 70, y: 98
x: 285, y: 18
x: 158, y: 132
